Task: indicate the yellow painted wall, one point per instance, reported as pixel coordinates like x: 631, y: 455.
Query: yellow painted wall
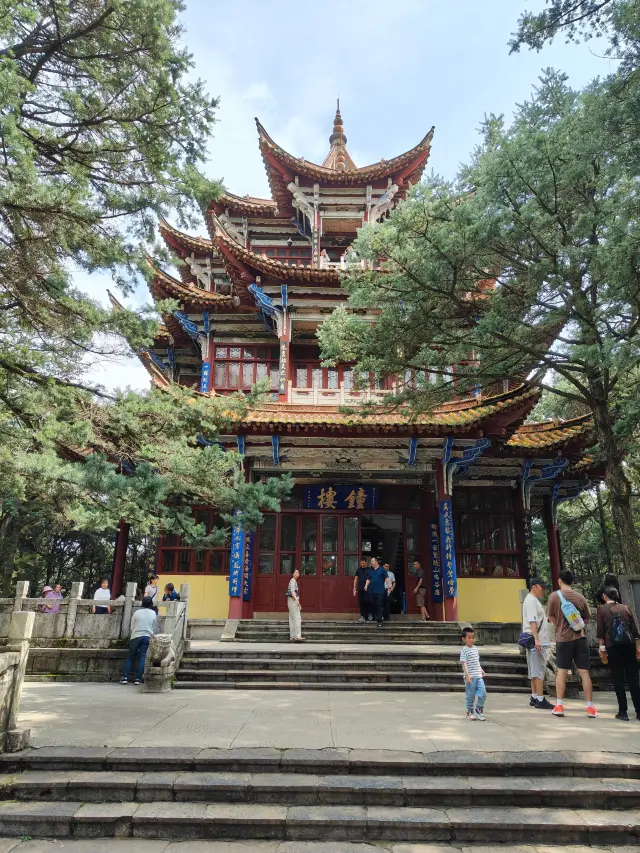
x: 208, y: 594
x: 489, y: 599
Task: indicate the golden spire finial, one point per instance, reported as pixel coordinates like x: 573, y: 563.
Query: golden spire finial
x: 338, y: 138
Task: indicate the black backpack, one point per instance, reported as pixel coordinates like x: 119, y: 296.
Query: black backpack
x: 620, y: 631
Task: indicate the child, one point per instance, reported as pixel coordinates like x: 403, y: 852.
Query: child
x: 102, y: 594
x: 473, y: 676
x: 143, y: 624
x: 170, y: 593
x: 151, y: 591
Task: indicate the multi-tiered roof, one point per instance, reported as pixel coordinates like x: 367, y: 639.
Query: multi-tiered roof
x: 268, y: 275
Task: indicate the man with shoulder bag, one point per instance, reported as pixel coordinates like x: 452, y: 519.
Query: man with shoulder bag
x: 569, y: 612
x: 535, y: 640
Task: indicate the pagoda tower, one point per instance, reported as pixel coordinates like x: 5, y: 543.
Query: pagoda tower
x: 452, y: 492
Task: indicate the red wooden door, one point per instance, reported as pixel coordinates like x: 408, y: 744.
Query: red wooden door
x: 326, y: 550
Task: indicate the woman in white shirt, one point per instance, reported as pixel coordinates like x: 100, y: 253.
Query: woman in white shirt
x: 151, y: 591
x: 295, y: 615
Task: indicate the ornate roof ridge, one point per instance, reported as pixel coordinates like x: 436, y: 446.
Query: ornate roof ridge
x: 381, y: 169
x: 553, y: 435
x: 287, y: 414
x: 247, y: 203
x: 555, y: 423
x: 201, y: 244
x: 270, y: 266
x: 187, y: 292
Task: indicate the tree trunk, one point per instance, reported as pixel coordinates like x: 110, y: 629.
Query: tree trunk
x: 9, y: 534
x: 603, y: 530
x: 619, y: 488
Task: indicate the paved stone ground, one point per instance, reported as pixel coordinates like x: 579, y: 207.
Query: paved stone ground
x: 133, y: 845
x: 67, y: 714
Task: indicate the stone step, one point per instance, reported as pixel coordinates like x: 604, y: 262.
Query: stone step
x: 382, y: 637
x: 534, y: 765
x: 346, y: 675
x: 201, y: 820
x: 307, y: 661
x: 290, y: 789
x: 398, y: 686
x: 355, y: 625
x: 143, y: 845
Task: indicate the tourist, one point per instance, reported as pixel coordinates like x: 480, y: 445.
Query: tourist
x: 102, y: 594
x: 474, y: 688
x: 376, y: 585
x: 359, y: 589
x: 143, y: 623
x: 608, y: 580
x: 534, y: 622
x: 420, y: 591
x: 390, y: 583
x: 571, y: 646
x: 52, y: 606
x: 170, y: 593
x: 295, y: 608
x: 151, y: 590
x: 619, y: 641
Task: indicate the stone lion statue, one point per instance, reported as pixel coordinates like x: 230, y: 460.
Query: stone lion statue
x: 161, y: 651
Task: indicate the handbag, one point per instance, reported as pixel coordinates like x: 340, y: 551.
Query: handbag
x: 526, y: 640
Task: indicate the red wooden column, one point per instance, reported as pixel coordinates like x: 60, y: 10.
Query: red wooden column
x: 450, y: 604
x: 119, y: 558
x: 551, y: 527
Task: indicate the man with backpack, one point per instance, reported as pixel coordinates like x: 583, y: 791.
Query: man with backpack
x: 568, y: 611
x: 619, y: 648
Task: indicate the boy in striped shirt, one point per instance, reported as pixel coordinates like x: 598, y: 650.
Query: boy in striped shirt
x: 475, y: 691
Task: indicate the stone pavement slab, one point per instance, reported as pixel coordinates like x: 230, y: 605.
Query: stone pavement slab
x: 62, y: 715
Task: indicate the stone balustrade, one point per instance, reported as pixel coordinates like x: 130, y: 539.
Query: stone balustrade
x: 76, y: 620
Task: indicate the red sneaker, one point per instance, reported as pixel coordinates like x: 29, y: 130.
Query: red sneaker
x: 591, y: 712
x: 558, y: 711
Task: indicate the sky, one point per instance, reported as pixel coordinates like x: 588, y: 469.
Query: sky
x: 398, y: 67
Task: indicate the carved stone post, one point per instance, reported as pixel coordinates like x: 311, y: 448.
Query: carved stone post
x: 127, y: 610
x: 22, y: 591
x: 170, y: 617
x: 77, y: 588
x: 20, y: 631
x: 184, y: 597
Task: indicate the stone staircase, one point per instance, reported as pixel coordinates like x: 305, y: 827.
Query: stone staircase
x: 306, y: 668
x: 302, y: 800
x: 343, y: 631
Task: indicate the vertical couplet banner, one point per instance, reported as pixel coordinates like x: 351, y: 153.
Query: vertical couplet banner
x: 448, y: 551
x: 528, y: 545
x: 282, y: 372
x: 237, y: 559
x: 247, y: 570
x: 436, y: 563
x: 204, y: 377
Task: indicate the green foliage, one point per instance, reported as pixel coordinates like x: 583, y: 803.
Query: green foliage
x: 524, y: 268
x: 616, y: 21
x: 102, y: 128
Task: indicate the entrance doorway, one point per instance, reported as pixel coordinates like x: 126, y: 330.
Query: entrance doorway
x: 382, y: 537
x: 327, y: 547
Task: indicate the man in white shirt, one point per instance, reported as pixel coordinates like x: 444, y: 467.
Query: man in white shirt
x: 390, y: 584
x: 534, y: 622
x: 103, y: 593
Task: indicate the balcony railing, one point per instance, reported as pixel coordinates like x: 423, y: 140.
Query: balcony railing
x: 336, y: 396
